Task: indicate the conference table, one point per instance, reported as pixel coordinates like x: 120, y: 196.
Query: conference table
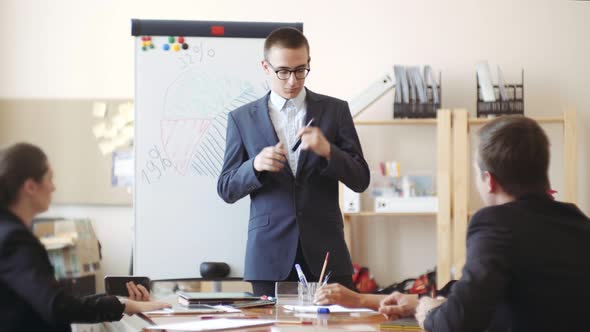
x: 286, y: 320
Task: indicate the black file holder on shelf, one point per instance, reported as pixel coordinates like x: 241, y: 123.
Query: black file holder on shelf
x: 513, y: 106
x: 416, y: 110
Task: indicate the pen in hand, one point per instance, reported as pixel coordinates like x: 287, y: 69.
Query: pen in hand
x: 324, y: 266
x: 326, y: 278
x: 299, y: 140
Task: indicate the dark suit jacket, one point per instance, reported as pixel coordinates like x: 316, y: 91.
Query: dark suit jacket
x: 527, y: 269
x: 286, y: 209
x: 30, y: 297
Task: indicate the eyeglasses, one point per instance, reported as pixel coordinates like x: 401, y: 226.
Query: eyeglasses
x: 284, y: 74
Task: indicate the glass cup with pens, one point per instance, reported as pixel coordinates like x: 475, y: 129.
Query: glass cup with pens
x: 307, y: 292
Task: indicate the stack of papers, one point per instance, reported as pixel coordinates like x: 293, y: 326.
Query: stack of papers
x: 211, y: 325
x: 203, y: 309
x: 333, y: 308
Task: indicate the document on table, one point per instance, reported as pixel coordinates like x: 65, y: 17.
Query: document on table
x: 333, y: 308
x: 211, y: 325
x: 207, y: 309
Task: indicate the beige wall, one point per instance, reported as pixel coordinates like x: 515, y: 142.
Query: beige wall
x: 83, y: 49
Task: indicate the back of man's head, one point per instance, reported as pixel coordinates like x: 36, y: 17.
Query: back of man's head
x: 285, y: 38
x: 515, y: 150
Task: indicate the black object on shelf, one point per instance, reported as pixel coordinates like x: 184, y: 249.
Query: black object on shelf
x: 513, y: 106
x: 416, y: 110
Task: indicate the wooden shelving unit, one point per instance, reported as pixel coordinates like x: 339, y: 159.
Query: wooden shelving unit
x: 442, y: 125
x: 453, y: 171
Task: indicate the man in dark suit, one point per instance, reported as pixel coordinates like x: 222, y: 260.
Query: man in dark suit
x: 294, y: 215
x: 527, y: 267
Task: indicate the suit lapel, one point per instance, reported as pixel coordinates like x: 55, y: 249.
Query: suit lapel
x: 314, y: 111
x: 262, y: 121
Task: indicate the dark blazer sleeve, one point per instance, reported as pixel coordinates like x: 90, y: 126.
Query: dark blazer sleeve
x: 25, y: 269
x: 347, y: 163
x: 238, y: 177
x: 474, y: 298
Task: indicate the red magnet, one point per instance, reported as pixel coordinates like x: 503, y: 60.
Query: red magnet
x: 218, y: 30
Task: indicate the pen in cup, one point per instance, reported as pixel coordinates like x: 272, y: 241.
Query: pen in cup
x: 302, y: 278
x: 299, y: 140
x: 324, y: 267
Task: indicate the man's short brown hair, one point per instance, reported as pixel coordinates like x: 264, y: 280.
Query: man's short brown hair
x: 515, y: 150
x: 285, y: 38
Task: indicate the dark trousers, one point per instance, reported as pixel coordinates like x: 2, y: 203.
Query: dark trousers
x: 267, y: 287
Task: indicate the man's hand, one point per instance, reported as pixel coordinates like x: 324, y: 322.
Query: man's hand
x: 271, y: 158
x: 313, y: 139
x: 134, y: 307
x: 336, y: 294
x: 398, y: 305
x: 137, y: 292
x: 426, y: 304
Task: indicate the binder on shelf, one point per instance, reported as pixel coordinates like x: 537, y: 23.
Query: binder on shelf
x: 510, y: 99
x: 484, y: 81
x: 370, y: 94
x: 419, y: 99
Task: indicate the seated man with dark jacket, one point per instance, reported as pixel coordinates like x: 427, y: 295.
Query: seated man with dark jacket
x: 527, y: 266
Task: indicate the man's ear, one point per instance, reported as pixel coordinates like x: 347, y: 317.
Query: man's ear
x: 491, y: 182
x: 265, y: 66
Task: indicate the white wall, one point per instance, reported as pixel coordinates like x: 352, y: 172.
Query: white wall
x: 83, y: 49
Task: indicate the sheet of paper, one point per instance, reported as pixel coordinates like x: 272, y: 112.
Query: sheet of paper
x: 401, y: 79
x: 418, y: 81
x: 485, y: 82
x: 501, y: 86
x: 333, y: 308
x: 185, y: 310
x: 211, y: 324
x: 429, y: 79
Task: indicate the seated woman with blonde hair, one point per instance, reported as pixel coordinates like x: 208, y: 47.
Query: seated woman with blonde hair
x: 30, y: 297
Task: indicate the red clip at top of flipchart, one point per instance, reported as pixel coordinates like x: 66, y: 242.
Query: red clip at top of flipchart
x: 217, y: 30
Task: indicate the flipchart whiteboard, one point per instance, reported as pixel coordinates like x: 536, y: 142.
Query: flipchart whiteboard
x: 184, y: 89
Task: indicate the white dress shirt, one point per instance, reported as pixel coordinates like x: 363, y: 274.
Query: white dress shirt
x: 288, y: 116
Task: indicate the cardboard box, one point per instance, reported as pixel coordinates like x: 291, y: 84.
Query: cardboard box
x: 72, y: 246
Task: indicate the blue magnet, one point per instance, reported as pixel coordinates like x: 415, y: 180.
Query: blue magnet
x: 165, y: 47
